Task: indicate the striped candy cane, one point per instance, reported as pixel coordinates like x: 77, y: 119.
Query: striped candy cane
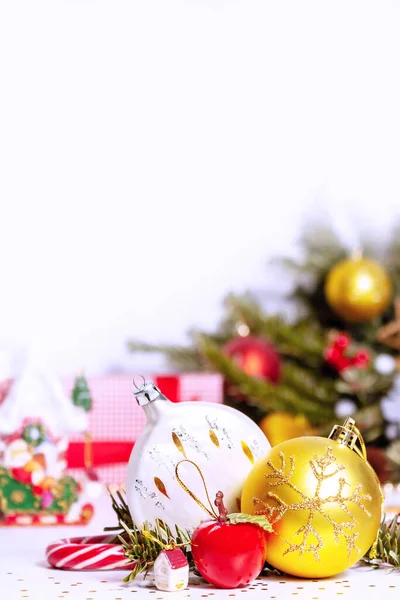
x: 87, y: 553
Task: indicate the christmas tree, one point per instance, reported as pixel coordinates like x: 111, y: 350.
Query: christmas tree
x: 337, y: 357
x: 81, y: 394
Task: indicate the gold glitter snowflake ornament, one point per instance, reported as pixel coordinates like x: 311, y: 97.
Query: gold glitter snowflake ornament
x: 323, y: 500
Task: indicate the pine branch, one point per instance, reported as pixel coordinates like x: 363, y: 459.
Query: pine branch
x: 386, y: 549
x: 320, y: 248
x: 259, y: 393
x: 303, y: 339
x: 306, y: 383
x: 121, y: 509
x: 141, y: 551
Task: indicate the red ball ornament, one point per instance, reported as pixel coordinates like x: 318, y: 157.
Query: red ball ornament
x: 256, y: 357
x: 228, y: 555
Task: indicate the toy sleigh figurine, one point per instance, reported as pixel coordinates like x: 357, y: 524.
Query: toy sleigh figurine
x: 36, y: 420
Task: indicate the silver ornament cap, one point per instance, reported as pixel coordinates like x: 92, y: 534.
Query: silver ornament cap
x: 147, y: 392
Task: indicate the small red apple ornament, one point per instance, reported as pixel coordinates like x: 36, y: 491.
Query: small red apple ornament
x: 229, y: 552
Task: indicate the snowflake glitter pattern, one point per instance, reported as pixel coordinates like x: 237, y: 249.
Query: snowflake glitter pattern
x: 314, y: 505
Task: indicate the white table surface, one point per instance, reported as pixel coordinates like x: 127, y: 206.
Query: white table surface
x: 24, y: 574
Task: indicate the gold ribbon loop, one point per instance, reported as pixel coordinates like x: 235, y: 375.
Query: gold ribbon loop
x: 211, y: 512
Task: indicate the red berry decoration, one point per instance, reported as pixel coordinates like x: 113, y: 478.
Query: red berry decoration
x: 361, y: 359
x: 332, y: 355
x: 228, y: 553
x: 255, y: 356
x: 343, y: 363
x: 342, y: 341
x: 340, y: 356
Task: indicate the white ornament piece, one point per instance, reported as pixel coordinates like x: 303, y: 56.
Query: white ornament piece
x: 392, y: 431
x: 171, y: 570
x: 391, y: 404
x: 345, y: 408
x: 385, y: 364
x: 223, y: 442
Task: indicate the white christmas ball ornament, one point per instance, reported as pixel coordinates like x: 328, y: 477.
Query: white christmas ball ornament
x: 221, y: 441
x: 345, y: 408
x: 392, y: 431
x: 385, y: 364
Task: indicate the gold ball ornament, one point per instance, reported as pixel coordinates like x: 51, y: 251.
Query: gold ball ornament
x: 323, y: 500
x: 358, y: 289
x: 281, y: 426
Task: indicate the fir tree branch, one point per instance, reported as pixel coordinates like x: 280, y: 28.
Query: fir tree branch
x: 122, y: 512
x: 141, y: 551
x: 260, y: 393
x: 386, y: 550
x: 301, y: 339
x: 306, y: 383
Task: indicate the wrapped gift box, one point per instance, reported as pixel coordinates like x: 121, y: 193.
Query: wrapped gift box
x: 116, y: 420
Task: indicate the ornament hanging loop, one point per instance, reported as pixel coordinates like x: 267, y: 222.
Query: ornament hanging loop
x: 147, y: 392
x: 211, y: 512
x: 142, y: 384
x: 349, y: 435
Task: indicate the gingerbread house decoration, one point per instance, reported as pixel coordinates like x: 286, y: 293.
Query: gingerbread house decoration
x: 36, y: 418
x: 171, y: 570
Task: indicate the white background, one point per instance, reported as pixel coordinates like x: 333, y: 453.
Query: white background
x: 154, y: 154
